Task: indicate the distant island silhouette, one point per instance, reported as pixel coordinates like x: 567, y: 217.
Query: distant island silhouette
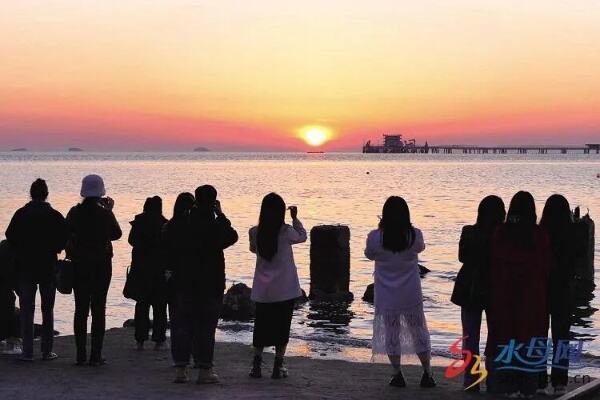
x: 20, y: 149
x: 201, y: 149
x: 75, y: 149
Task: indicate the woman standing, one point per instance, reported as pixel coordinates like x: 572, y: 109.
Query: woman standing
x: 399, y: 327
x: 147, y: 259
x: 557, y: 221
x: 472, y: 286
x: 517, y: 313
x: 93, y: 227
x: 175, y: 239
x: 276, y: 284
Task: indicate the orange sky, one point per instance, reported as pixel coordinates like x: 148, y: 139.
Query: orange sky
x: 234, y: 75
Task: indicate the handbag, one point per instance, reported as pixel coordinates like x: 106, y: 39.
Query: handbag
x: 65, y: 276
x: 133, y: 289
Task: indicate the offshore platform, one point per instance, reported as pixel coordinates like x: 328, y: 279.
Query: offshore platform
x: 394, y: 143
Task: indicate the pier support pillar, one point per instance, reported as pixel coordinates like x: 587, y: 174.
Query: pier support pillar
x: 330, y: 263
x: 585, y: 233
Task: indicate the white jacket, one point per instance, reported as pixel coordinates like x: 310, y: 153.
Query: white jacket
x: 277, y: 280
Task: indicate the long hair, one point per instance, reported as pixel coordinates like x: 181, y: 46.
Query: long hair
x: 398, y: 232
x: 153, y: 206
x: 556, y: 217
x: 521, y: 220
x: 491, y: 213
x: 183, y: 204
x: 272, y: 217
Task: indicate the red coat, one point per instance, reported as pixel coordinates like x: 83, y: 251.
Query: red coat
x: 518, y: 291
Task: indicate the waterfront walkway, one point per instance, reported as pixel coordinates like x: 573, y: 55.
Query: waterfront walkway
x: 131, y: 374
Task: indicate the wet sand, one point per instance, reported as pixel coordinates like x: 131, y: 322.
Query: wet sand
x: 148, y: 374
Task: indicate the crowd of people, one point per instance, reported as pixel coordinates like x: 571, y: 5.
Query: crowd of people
x: 519, y: 273
x: 514, y: 270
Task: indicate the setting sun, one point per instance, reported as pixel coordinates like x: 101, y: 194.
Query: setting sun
x: 315, y: 135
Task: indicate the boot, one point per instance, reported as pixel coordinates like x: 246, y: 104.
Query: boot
x: 279, y: 370
x: 398, y: 380
x: 181, y: 375
x: 427, y: 380
x: 207, y: 376
x: 256, y: 371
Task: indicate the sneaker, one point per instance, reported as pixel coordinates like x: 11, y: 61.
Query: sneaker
x: 427, y: 380
x: 513, y: 395
x: 279, y: 369
x: 207, y: 376
x: 181, y: 375
x: 560, y: 390
x: 49, y: 356
x: 256, y: 371
x: 398, y: 380
x: 139, y: 346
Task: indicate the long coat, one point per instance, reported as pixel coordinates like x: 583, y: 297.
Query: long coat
x: 148, y: 256
x: 518, y: 298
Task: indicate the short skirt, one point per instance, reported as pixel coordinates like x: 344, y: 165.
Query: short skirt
x: 272, y: 323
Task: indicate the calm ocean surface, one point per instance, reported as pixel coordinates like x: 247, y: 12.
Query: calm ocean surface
x: 443, y: 192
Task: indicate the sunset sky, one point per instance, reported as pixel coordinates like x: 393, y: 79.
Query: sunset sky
x: 252, y: 74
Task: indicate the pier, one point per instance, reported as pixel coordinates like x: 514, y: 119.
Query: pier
x: 513, y: 149
x: 395, y: 144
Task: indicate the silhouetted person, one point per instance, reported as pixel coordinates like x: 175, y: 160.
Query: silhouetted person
x: 557, y: 221
x: 276, y: 285
x: 472, y: 286
x: 175, y: 241
x: 399, y: 326
x: 202, y: 283
x: 37, y: 233
x: 147, y: 258
x: 9, y: 326
x: 517, y: 312
x: 93, y: 227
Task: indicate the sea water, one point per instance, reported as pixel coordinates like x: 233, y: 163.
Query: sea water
x: 443, y: 192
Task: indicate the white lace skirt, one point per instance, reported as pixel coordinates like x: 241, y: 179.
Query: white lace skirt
x: 400, y: 332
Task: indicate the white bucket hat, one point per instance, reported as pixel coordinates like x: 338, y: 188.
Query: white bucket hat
x: 92, y: 186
